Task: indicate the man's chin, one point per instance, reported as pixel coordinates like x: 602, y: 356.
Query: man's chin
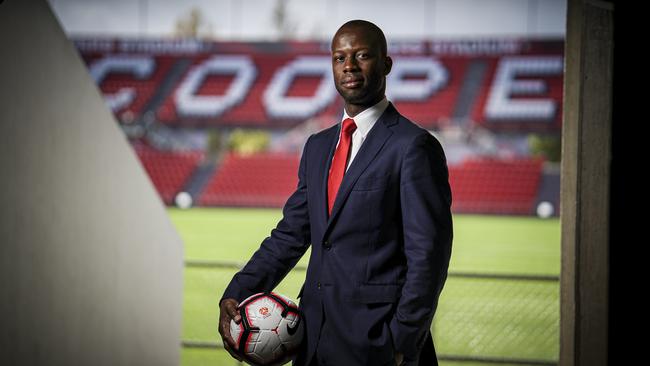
x: 354, y: 98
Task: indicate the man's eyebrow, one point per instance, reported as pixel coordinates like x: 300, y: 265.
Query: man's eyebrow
x: 353, y: 48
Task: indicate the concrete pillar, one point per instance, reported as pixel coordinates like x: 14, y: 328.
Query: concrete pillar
x: 90, y: 265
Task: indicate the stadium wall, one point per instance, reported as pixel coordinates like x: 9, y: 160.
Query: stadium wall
x: 90, y: 265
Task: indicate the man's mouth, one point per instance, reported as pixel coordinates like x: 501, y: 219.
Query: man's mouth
x: 352, y: 83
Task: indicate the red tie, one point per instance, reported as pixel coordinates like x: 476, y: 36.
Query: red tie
x: 339, y: 162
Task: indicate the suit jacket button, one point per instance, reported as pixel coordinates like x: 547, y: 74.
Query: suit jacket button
x: 318, y: 285
x: 327, y: 245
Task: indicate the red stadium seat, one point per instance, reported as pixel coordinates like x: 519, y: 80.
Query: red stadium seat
x: 169, y: 171
x: 478, y: 185
x: 259, y: 180
x: 495, y: 186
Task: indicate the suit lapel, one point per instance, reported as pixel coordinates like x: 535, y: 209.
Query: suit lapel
x: 376, y: 138
x: 326, y: 154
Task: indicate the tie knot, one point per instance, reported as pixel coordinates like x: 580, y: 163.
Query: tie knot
x: 349, y: 126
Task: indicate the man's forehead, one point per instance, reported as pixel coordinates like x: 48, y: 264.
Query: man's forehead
x: 358, y: 34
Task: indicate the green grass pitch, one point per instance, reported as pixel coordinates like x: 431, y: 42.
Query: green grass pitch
x: 475, y: 317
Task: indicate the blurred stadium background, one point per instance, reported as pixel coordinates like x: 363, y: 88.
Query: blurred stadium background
x: 217, y: 99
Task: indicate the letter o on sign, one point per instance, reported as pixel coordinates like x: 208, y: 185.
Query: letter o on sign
x: 279, y: 105
x: 190, y: 105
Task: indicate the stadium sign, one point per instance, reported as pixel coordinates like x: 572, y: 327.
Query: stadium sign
x: 280, y: 84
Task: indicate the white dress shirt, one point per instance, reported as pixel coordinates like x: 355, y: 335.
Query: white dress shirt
x: 364, y: 121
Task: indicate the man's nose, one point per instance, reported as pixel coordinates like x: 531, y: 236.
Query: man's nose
x: 350, y: 64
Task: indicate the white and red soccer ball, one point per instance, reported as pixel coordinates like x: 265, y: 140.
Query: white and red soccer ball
x: 270, y: 331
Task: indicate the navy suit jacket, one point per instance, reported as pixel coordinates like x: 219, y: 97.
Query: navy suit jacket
x: 379, y: 261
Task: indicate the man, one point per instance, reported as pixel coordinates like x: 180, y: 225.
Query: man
x: 373, y: 200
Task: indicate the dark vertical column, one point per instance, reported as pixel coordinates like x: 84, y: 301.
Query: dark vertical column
x: 586, y: 155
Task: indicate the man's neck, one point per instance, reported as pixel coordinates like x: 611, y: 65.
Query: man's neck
x: 353, y: 109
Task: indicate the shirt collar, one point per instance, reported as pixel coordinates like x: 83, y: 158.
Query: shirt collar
x: 366, y: 119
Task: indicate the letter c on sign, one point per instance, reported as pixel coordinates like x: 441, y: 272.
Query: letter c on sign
x: 140, y: 66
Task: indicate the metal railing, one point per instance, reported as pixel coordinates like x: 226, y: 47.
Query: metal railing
x: 487, y: 318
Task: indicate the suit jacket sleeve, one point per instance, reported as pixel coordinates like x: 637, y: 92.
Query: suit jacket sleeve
x: 280, y: 252
x: 427, y: 228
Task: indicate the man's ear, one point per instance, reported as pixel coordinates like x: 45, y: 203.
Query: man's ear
x: 388, y: 65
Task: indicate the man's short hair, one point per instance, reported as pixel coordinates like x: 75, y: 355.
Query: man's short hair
x: 371, y: 27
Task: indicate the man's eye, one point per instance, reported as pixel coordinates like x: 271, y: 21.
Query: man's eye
x: 339, y: 59
x: 362, y: 55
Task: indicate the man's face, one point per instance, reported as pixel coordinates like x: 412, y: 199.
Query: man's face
x: 359, y: 67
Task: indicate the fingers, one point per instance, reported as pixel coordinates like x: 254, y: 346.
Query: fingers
x: 231, y: 309
x: 228, y: 312
x: 399, y: 359
x: 231, y: 351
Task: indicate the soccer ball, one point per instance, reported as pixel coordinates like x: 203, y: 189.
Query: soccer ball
x: 270, y: 331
